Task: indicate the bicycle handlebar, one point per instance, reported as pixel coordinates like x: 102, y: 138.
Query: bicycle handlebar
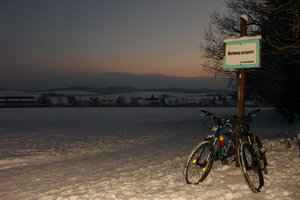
x: 208, y: 113
x: 220, y: 121
x: 234, y: 119
x: 253, y: 113
x: 246, y: 117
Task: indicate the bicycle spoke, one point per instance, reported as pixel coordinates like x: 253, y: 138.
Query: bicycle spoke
x: 250, y: 167
x: 199, y: 164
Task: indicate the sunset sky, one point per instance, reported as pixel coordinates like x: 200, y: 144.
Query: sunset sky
x: 64, y: 38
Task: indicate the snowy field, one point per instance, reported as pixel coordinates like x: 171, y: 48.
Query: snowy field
x: 131, y: 153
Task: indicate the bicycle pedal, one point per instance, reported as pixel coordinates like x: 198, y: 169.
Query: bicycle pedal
x: 224, y: 162
x: 216, y: 156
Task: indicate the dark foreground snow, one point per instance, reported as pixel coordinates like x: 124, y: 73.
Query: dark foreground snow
x: 130, y: 153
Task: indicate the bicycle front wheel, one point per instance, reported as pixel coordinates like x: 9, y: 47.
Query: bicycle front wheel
x: 199, y: 163
x: 250, y: 167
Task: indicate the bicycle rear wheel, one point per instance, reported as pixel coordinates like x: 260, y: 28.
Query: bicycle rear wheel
x: 199, y: 163
x: 250, y: 167
x: 262, y: 154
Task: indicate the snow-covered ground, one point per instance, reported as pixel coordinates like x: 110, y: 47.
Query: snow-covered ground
x: 130, y: 153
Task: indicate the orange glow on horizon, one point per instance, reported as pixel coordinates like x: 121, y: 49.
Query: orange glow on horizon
x: 183, y: 75
x: 187, y: 72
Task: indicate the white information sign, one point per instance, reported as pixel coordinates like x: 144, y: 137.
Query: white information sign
x: 243, y: 52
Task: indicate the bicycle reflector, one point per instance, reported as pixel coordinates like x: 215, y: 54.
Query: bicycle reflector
x: 213, y: 129
x: 222, y: 141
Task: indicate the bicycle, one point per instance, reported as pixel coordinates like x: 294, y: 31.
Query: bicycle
x: 219, y: 145
x: 251, y: 154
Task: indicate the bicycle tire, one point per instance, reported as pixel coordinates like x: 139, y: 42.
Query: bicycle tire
x: 199, y: 163
x: 250, y: 167
x: 262, y: 154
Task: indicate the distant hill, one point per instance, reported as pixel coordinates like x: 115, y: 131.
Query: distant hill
x: 156, y: 81
x: 146, y: 81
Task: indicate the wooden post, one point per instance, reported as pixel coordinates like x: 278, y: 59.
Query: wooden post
x: 241, y: 91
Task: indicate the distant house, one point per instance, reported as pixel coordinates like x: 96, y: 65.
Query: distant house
x: 171, y: 101
x: 124, y: 100
x: 58, y: 101
x: 108, y: 102
x: 17, y: 101
x: 187, y: 101
x: 206, y: 102
x: 219, y: 102
x: 82, y: 100
x: 152, y: 101
x: 141, y: 102
x: 11, y: 98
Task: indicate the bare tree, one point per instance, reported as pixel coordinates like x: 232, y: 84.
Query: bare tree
x: 277, y: 21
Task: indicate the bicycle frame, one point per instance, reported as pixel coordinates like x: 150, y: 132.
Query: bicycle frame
x: 249, y: 137
x: 246, y: 134
x: 223, y: 152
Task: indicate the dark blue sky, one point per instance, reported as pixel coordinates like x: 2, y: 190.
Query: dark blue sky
x: 64, y: 38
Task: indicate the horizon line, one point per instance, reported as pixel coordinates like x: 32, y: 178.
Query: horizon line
x: 160, y: 74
